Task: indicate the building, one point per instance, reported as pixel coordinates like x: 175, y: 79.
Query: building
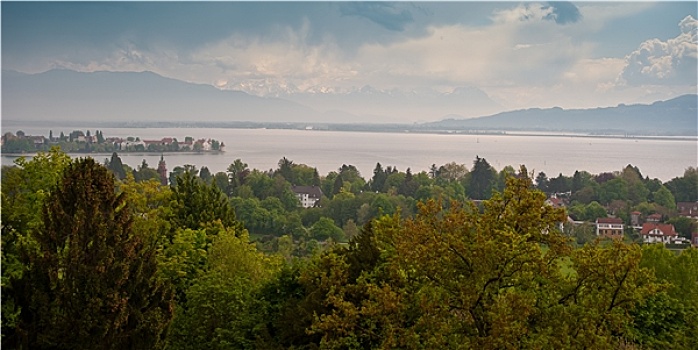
x: 609, y: 227
x: 308, y: 196
x: 688, y: 209
x: 658, y: 233
x: 655, y: 218
x: 162, y: 170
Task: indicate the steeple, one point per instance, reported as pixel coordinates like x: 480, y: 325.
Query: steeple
x: 162, y: 170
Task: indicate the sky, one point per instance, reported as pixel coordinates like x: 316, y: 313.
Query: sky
x: 521, y: 54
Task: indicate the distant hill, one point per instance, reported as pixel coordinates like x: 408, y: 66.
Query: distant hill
x: 67, y: 95
x: 678, y: 116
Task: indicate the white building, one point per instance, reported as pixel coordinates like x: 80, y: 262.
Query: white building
x: 308, y: 196
x: 658, y: 233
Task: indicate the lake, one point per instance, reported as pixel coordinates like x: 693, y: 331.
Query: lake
x: 328, y: 150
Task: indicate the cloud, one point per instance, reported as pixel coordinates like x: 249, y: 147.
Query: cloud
x: 564, y: 12
x: 671, y: 62
x: 388, y: 15
x: 560, y: 12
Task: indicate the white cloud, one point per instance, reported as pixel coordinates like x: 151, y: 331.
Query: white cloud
x: 522, y: 59
x: 671, y: 62
x: 523, y: 13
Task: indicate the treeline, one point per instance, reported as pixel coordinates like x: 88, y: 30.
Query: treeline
x: 265, y: 203
x: 133, y: 264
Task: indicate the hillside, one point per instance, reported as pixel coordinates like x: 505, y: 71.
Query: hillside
x: 128, y: 96
x: 677, y: 116
x: 67, y: 95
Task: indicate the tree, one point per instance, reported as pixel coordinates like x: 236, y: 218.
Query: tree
x: 481, y: 179
x: 196, y: 204
x: 378, y: 179
x: 221, y: 309
x: 542, y: 182
x: 90, y: 275
x: 664, y: 198
x: 684, y: 226
x: 25, y: 187
x: 286, y: 169
x: 237, y: 172
x: 316, y: 178
x: 459, y: 278
x: 205, y: 175
x: 685, y: 188
x: 338, y: 184
x: 325, y: 228
x: 116, y: 166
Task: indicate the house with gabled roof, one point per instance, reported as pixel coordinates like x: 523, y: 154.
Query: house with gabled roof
x: 308, y: 196
x: 610, y: 227
x: 653, y: 232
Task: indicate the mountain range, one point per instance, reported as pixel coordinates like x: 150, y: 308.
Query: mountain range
x: 145, y: 97
x: 677, y: 116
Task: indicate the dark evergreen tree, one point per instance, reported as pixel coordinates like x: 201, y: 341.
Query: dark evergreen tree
x: 196, y: 204
x: 542, y: 182
x: 337, y: 187
x: 316, y: 178
x: 116, y: 166
x: 481, y: 179
x: 91, y: 281
x: 379, y: 177
x: 205, y: 175
x: 286, y: 169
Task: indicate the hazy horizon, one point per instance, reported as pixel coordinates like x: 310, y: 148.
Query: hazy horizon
x: 381, y: 61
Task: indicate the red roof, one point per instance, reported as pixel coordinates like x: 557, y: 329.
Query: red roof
x: 664, y: 229
x: 609, y: 221
x: 654, y: 217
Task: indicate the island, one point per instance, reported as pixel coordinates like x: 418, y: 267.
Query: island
x: 86, y: 142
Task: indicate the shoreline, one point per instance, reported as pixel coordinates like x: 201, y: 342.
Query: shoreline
x: 368, y: 128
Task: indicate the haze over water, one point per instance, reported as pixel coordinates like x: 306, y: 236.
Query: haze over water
x: 328, y: 150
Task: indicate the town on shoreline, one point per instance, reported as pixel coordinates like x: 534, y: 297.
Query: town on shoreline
x: 87, y: 142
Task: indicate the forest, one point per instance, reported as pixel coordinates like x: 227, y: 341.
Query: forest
x: 103, y: 256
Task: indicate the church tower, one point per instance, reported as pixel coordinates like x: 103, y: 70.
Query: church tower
x: 162, y: 170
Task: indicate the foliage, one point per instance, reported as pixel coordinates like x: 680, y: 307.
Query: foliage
x: 195, y: 204
x: 24, y: 190
x: 221, y: 310
x: 90, y: 274
x: 457, y: 278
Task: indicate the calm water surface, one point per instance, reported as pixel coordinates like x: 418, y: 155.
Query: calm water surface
x: 328, y: 150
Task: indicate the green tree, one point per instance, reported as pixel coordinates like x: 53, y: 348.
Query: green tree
x: 222, y: 311
x: 685, y: 188
x: 90, y: 275
x: 684, y: 226
x: 237, y: 172
x: 378, y: 180
x: 459, y: 278
x: 481, y: 179
x: 664, y: 198
x: 196, y: 204
x: 325, y: 228
x: 205, y: 175
x: 542, y: 182
x: 116, y: 166
x: 25, y: 187
x: 286, y: 169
